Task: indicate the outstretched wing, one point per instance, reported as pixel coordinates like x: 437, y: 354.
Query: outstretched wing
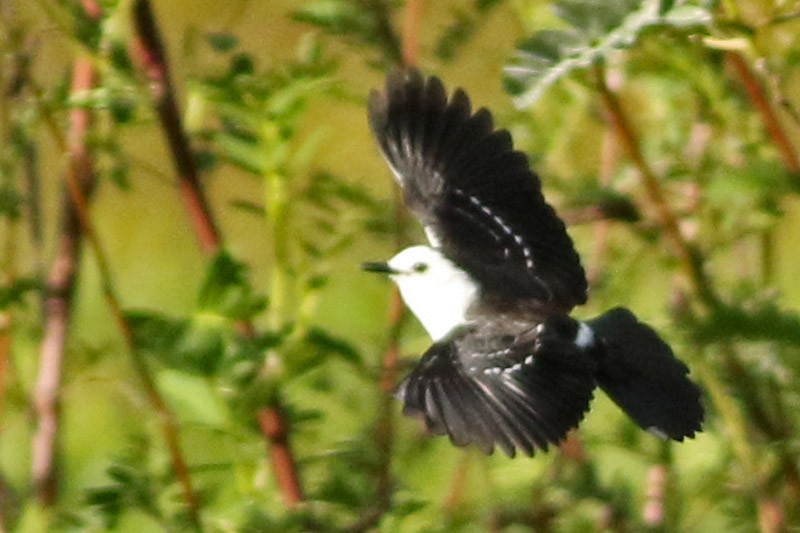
x: 476, y: 196
x: 517, y: 395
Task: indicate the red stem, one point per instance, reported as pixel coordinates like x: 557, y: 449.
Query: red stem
x: 272, y: 421
x: 150, y: 53
x: 760, y: 102
x: 58, y: 300
x: 413, y: 14
x: 688, y: 256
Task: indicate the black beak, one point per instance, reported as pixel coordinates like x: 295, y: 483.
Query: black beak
x: 380, y: 267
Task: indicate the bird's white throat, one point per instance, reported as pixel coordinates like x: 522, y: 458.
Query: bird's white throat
x: 434, y: 289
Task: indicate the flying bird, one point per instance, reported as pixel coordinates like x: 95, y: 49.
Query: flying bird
x: 508, y: 368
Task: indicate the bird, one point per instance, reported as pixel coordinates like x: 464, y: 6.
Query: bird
x: 508, y: 367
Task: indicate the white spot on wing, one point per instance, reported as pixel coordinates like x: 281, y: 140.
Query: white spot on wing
x: 657, y: 432
x: 512, y: 368
x: 432, y: 237
x: 506, y: 229
x: 585, y: 337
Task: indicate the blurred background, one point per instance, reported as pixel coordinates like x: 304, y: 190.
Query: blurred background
x: 187, y: 190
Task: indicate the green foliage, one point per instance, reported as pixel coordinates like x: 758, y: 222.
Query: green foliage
x: 14, y: 293
x: 200, y: 342
x: 127, y: 488
x: 755, y: 320
x: 596, y: 28
x: 466, y: 22
x: 362, y: 23
x: 11, y: 202
x: 281, y: 317
x: 226, y: 291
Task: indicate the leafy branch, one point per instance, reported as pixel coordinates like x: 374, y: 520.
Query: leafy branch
x: 596, y: 29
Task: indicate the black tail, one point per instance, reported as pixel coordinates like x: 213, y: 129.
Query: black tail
x: 641, y: 374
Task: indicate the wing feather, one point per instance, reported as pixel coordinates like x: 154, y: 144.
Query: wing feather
x: 512, y: 397
x: 474, y: 193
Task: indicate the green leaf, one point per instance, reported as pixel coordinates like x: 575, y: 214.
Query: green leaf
x: 597, y: 27
x: 130, y: 486
x: 338, y: 17
x: 227, y: 292
x: 318, y: 346
x: 595, y: 18
x: 193, y: 398
x: 222, y: 42
x: 191, y: 345
x: 14, y: 294
x: 11, y: 202
x: 753, y: 320
x: 241, y: 151
x: 360, y: 23
x: 329, y: 344
x: 748, y: 198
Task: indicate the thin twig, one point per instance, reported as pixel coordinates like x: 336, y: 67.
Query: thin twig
x: 12, y: 80
x: 458, y: 484
x: 411, y: 19
x: 6, y: 323
x: 692, y: 265
x: 654, y: 512
x: 761, y: 103
x: 393, y: 52
x: 775, y: 131
x: 390, y: 43
x: 58, y: 300
x: 272, y: 421
x: 397, y: 310
x: 151, y: 54
x: 780, y: 139
x: 770, y: 516
x: 689, y: 258
x: 80, y: 206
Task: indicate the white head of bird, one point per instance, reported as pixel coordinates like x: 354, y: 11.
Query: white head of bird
x: 434, y: 289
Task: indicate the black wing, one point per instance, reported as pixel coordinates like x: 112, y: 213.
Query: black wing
x: 476, y: 195
x: 520, y: 395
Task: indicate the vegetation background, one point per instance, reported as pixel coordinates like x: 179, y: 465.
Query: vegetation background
x: 187, y: 190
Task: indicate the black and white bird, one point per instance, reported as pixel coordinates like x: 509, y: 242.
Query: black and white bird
x: 508, y: 367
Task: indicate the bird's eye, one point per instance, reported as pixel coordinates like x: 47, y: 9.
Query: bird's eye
x: 420, y: 267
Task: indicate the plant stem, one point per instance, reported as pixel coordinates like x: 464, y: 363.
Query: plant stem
x: 272, y: 421
x: 762, y: 105
x: 58, y: 300
x: 411, y: 19
x: 701, y: 284
x: 390, y: 43
x: 277, y: 209
x: 79, y: 204
x: 153, y: 58
x: 150, y: 53
x: 690, y: 259
x: 780, y: 139
x: 395, y: 50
